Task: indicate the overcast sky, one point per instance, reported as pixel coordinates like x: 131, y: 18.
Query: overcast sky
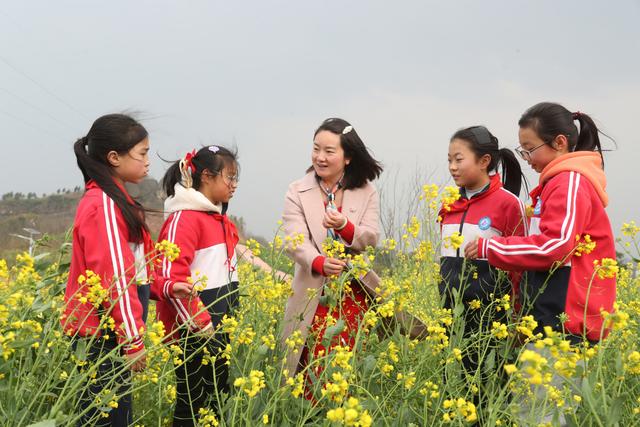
x: 263, y: 75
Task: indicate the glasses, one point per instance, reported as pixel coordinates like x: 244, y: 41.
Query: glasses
x: 228, y: 179
x: 526, y: 154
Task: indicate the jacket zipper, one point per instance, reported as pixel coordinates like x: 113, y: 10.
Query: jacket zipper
x: 464, y: 215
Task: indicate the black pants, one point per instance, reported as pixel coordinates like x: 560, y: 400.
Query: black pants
x: 474, y: 356
x: 475, y: 361
x: 144, y: 293
x: 197, y: 385
x: 111, y: 375
x: 485, y: 285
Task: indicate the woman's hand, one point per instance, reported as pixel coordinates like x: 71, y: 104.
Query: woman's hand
x: 334, y: 219
x: 182, y: 290
x: 333, y: 266
x: 471, y: 250
x: 138, y: 360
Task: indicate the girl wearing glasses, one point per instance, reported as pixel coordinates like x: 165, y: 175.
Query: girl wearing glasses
x: 568, y: 217
x: 199, y: 188
x: 334, y: 200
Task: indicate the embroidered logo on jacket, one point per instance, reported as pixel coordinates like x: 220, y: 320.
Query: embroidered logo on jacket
x: 484, y: 223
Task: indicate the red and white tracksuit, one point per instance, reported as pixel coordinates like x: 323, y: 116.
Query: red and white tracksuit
x: 568, y: 204
x: 101, y: 243
x: 493, y: 212
x: 207, y: 241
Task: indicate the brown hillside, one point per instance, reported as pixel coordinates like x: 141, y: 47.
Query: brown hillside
x: 53, y: 215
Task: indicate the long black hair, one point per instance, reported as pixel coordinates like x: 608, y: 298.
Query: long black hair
x: 119, y: 133
x: 213, y: 158
x: 548, y: 120
x: 362, y: 166
x: 482, y: 142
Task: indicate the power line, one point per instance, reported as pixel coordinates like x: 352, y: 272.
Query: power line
x: 29, y: 124
x: 49, y: 92
x: 35, y: 107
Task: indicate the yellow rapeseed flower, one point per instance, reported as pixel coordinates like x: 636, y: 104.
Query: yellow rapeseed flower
x: 169, y: 250
x: 606, y: 268
x: 586, y: 246
x: 453, y: 241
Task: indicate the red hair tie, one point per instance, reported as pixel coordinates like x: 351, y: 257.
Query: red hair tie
x: 188, y: 161
x: 576, y: 115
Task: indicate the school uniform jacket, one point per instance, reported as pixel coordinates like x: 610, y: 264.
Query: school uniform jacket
x: 101, y: 243
x: 493, y: 212
x: 569, y: 202
x: 207, y: 241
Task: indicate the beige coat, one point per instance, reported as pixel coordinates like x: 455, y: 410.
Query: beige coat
x: 303, y: 213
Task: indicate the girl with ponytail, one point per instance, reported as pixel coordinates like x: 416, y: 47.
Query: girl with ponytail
x: 199, y: 188
x: 570, y: 229
x: 488, y: 206
x: 565, y: 288
x: 108, y: 287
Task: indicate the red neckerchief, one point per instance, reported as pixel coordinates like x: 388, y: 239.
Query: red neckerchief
x: 231, y: 237
x: 462, y: 204
x: 149, y: 247
x: 535, y: 194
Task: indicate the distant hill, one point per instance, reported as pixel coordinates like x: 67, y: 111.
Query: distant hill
x: 53, y: 214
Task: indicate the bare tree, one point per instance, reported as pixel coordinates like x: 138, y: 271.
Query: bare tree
x: 400, y: 198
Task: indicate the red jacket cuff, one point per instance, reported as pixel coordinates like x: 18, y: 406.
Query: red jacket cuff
x: 347, y: 232
x: 205, y: 327
x: 482, y: 252
x: 318, y: 265
x: 167, y: 288
x: 133, y: 346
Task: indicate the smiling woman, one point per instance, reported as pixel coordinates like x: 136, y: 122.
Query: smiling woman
x: 335, y: 200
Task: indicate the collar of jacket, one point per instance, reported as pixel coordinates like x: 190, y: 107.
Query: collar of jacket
x: 92, y: 184
x: 189, y: 199
x: 463, y: 204
x: 586, y: 163
x: 309, y: 182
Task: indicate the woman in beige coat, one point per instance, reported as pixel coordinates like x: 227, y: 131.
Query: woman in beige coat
x: 336, y: 199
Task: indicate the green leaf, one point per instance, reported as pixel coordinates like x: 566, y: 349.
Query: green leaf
x: 615, y: 411
x: 458, y: 310
x: 490, y: 361
x: 332, y: 331
x: 81, y: 350
x: 23, y: 343
x: 404, y: 414
x: 369, y: 364
x: 40, y: 306
x: 263, y: 350
x: 587, y: 396
x: 45, y: 423
x: 619, y: 364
